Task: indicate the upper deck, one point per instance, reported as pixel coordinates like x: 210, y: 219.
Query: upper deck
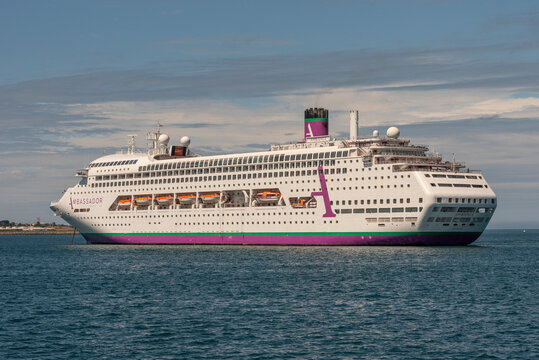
x: 316, y: 148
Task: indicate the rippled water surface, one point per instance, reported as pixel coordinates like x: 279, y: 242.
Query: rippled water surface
x: 59, y: 300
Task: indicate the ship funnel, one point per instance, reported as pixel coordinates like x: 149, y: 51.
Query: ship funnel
x: 316, y: 122
x: 353, y: 124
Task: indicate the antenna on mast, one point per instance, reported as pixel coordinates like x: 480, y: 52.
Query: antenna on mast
x: 131, y: 144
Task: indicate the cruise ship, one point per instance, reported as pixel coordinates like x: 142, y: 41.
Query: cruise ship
x: 378, y: 190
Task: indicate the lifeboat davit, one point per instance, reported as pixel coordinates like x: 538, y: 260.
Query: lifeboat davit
x: 186, y: 199
x: 268, y: 196
x: 210, y: 198
x: 165, y: 199
x: 143, y: 201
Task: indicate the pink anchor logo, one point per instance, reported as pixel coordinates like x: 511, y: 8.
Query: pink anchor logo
x: 324, y: 193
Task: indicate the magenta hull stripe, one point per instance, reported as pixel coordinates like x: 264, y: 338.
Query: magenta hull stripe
x: 303, y: 239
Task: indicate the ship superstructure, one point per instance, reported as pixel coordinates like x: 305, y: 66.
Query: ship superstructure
x: 319, y: 191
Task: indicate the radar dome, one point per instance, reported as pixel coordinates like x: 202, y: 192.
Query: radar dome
x: 164, y: 139
x: 393, y: 132
x: 375, y: 133
x: 185, y: 141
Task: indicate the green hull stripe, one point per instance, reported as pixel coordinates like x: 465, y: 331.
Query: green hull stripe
x: 316, y: 119
x: 291, y: 234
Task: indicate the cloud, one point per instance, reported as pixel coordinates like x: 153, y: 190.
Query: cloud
x: 271, y: 75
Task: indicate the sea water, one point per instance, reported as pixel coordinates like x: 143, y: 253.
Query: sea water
x: 59, y: 300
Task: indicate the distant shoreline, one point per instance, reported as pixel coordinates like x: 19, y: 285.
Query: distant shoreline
x: 38, y: 232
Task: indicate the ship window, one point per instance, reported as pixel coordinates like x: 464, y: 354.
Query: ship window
x: 371, y: 210
x: 303, y: 156
x: 397, y: 210
x: 339, y: 153
x: 333, y: 154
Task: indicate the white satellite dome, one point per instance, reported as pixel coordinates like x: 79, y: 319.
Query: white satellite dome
x: 185, y: 141
x: 393, y: 132
x: 375, y: 133
x: 164, y: 139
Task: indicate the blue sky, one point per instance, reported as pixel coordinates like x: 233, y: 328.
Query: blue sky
x: 77, y: 76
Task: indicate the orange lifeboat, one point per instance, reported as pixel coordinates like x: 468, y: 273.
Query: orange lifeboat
x: 187, y: 199
x: 164, y: 199
x: 300, y: 204
x: 124, y: 202
x: 143, y: 201
x: 210, y: 198
x: 268, y: 196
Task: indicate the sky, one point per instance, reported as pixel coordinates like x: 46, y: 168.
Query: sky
x: 77, y: 77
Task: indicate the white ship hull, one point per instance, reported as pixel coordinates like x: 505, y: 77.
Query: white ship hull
x: 352, y: 199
